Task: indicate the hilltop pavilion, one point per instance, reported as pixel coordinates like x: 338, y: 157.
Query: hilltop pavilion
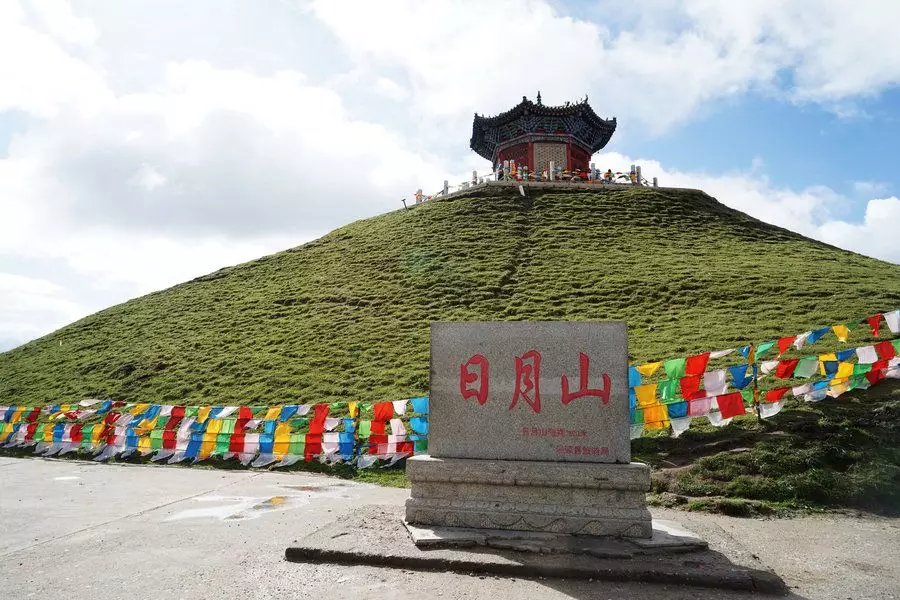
x: 534, y: 135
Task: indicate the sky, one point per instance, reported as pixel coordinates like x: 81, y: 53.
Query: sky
x: 147, y: 142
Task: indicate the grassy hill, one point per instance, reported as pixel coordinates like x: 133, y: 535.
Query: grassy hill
x: 346, y: 317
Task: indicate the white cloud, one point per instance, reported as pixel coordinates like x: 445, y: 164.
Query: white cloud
x: 40, y: 77
x: 877, y: 235
x: 57, y: 19
x: 31, y: 307
x: 147, y: 177
x: 870, y: 188
x: 155, y: 153
x: 390, y: 89
x: 465, y: 56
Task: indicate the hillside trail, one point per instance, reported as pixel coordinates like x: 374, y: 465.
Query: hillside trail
x: 110, y: 531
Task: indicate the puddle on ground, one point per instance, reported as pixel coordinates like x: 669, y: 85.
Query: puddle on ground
x: 312, y: 488
x: 236, y: 508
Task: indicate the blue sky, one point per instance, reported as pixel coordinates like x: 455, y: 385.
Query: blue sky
x: 798, y: 144
x: 146, y: 143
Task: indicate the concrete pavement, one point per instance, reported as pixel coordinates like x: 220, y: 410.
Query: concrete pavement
x: 118, y: 531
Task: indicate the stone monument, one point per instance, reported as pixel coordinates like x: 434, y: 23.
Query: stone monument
x: 529, y: 431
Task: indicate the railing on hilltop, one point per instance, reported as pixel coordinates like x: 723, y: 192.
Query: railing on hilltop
x: 511, y: 172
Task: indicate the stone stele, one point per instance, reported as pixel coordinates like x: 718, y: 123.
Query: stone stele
x: 529, y: 430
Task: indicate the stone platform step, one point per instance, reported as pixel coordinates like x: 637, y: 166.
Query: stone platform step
x: 376, y: 536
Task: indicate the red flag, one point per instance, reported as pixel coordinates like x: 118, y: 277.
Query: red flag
x: 785, y: 343
x: 313, y: 446
x: 776, y: 394
x: 32, y: 416
x: 880, y: 364
x: 696, y: 365
x: 177, y: 413
x: 731, y: 405
x: 875, y: 376
x: 317, y: 425
x: 874, y: 322
x: 785, y: 368
x: 378, y: 444
x: 383, y: 413
x: 885, y: 350
x: 244, y: 412
x: 236, y: 443
x: 75, y: 433
x: 690, y: 387
x: 169, y: 439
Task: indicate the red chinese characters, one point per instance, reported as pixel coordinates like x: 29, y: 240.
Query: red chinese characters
x: 474, y: 377
x: 466, y: 377
x: 528, y: 380
x: 583, y: 389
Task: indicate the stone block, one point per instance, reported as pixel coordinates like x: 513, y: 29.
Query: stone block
x: 552, y: 391
x: 576, y: 498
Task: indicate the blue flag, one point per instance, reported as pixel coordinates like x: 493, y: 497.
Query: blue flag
x: 739, y: 376
x: 419, y: 405
x: 817, y: 335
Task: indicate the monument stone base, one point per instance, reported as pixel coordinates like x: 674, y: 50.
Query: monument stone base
x: 598, y: 499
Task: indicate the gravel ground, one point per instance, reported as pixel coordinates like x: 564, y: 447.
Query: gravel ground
x: 87, y: 530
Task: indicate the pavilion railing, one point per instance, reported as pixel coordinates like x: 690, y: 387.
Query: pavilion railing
x: 510, y: 172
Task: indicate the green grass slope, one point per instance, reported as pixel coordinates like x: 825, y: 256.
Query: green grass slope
x: 346, y: 316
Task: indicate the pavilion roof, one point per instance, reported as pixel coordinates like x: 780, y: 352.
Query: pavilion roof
x: 485, y: 137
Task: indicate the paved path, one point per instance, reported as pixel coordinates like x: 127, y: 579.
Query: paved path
x: 84, y: 530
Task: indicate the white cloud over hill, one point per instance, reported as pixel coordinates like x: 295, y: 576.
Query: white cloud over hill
x: 153, y: 142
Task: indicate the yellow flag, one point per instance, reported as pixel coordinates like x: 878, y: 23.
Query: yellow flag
x: 17, y: 416
x: 272, y: 413
x: 354, y: 408
x: 836, y: 390
x: 845, y: 370
x: 648, y: 369
x: 95, y: 435
x: 823, y: 358
x: 646, y: 395
x: 841, y: 332
x: 203, y: 413
x: 656, y: 417
x: 207, y: 445
x: 144, y: 445
x: 48, y: 434
x: 139, y: 408
x: 145, y: 426
x: 282, y: 440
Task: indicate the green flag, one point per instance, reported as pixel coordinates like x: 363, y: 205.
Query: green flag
x: 666, y: 390
x: 675, y: 368
x: 297, y: 444
x: 223, y: 442
x: 764, y: 347
x: 861, y: 369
